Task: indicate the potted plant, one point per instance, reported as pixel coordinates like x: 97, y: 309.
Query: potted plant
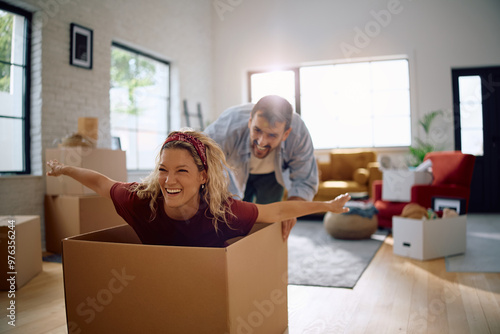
x: 425, y: 146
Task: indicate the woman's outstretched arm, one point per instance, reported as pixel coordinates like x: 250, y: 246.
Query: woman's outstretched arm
x: 281, y: 211
x: 96, y: 181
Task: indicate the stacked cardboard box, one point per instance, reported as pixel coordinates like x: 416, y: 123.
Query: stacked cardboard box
x: 71, y: 208
x: 111, y: 163
x: 67, y: 216
x: 20, y: 251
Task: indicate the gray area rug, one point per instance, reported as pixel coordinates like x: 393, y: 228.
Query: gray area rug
x: 315, y: 258
x: 482, y: 253
x: 53, y: 258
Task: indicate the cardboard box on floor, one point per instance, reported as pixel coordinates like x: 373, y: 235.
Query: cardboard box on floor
x: 397, y: 183
x: 67, y: 216
x: 22, y: 234
x: 111, y: 163
x: 114, y: 284
x: 429, y: 239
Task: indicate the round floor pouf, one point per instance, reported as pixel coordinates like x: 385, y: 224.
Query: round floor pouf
x: 350, y: 226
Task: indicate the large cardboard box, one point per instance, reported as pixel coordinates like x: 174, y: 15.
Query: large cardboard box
x: 67, y: 216
x: 397, y: 183
x: 20, y: 251
x: 429, y: 239
x: 111, y: 163
x: 114, y: 284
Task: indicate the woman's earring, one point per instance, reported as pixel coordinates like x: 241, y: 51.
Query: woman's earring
x: 203, y: 186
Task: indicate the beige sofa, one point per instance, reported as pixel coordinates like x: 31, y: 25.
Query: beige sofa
x: 347, y: 171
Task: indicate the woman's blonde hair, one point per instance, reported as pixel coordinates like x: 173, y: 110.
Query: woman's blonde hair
x: 216, y: 190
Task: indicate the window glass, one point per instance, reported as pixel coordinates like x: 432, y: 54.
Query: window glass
x: 365, y: 104
x: 14, y: 80
x: 471, y: 114
x: 139, y: 99
x: 280, y: 83
x: 12, y: 132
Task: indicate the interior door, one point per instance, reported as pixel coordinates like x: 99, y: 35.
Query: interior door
x: 476, y: 101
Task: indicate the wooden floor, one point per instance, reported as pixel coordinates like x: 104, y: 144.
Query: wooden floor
x: 394, y: 295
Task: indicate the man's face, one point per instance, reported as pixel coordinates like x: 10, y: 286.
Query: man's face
x: 263, y: 137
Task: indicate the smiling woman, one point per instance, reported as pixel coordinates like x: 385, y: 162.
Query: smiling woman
x: 180, y: 182
x: 185, y: 200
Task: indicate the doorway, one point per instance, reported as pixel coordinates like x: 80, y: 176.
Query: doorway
x: 476, y: 111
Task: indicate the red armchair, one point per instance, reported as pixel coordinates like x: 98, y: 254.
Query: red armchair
x: 452, y: 175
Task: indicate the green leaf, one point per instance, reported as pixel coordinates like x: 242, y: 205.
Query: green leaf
x: 427, y: 120
x: 6, y: 28
x: 130, y: 71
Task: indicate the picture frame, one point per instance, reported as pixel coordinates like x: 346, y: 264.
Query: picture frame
x: 456, y: 203
x: 116, y: 143
x: 81, y: 46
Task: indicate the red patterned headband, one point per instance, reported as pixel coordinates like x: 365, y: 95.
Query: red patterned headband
x: 187, y: 138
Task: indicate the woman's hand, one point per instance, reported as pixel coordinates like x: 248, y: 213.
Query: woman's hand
x: 337, y: 205
x: 96, y: 181
x: 56, y: 168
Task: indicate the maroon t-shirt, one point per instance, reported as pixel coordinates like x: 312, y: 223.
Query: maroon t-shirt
x: 163, y: 230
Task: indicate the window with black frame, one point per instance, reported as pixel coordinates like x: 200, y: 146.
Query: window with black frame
x: 139, y: 103
x: 14, y: 90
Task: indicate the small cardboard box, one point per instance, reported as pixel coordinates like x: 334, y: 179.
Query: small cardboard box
x: 111, y: 163
x: 67, y: 216
x: 114, y: 284
x: 397, y: 183
x: 89, y: 126
x: 429, y: 239
x: 20, y: 251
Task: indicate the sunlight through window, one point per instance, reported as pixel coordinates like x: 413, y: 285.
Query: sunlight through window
x: 471, y: 114
x: 280, y: 83
x: 364, y: 104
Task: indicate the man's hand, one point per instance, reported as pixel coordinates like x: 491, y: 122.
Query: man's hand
x: 286, y: 227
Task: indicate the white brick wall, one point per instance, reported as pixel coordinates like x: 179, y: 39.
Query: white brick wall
x: 22, y: 195
x: 177, y: 31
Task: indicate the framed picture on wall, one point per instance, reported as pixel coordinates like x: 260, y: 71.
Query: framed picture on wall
x: 81, y: 46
